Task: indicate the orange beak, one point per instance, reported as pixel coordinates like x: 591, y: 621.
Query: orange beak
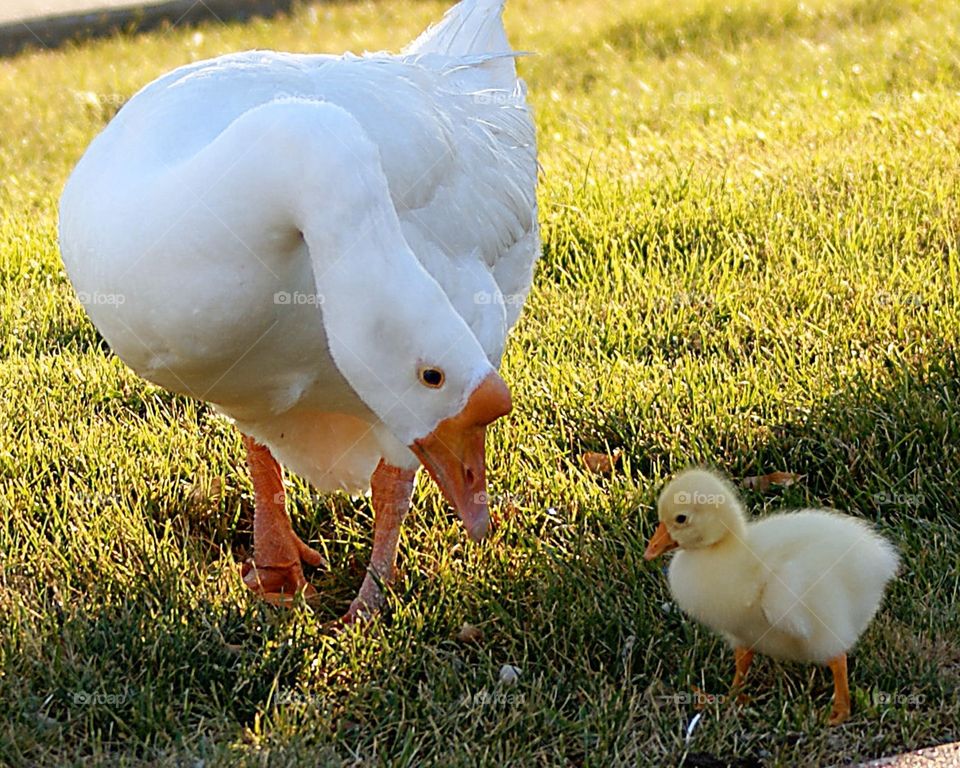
x: 454, y: 453
x: 660, y: 542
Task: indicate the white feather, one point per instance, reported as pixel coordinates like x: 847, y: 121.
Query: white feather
x: 391, y: 198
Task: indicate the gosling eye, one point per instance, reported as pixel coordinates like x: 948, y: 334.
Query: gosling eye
x: 681, y: 519
x: 432, y: 377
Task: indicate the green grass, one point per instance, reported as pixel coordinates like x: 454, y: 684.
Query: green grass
x: 750, y: 214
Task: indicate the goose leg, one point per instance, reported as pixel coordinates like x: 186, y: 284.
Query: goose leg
x: 841, y: 690
x: 742, y: 656
x: 276, y: 572
x: 391, y: 488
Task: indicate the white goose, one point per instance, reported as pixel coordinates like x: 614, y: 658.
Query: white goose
x: 331, y: 251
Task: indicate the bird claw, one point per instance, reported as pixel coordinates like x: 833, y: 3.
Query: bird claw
x: 702, y: 699
x: 278, y: 585
x: 358, y: 614
x: 838, y: 715
x: 364, y: 607
x: 279, y: 575
x: 308, y: 554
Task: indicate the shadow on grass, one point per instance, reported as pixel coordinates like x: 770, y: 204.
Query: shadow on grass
x: 605, y: 655
x: 605, y: 659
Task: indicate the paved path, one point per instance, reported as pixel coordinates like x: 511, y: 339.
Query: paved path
x: 47, y: 23
x: 946, y: 756
x: 31, y: 10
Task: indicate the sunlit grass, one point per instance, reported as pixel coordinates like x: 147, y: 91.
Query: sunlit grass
x: 750, y: 219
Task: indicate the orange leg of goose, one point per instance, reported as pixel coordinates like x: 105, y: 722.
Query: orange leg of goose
x: 390, y: 491
x: 743, y: 658
x: 276, y: 572
x: 841, y: 690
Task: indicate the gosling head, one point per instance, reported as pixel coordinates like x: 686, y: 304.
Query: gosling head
x: 697, y: 509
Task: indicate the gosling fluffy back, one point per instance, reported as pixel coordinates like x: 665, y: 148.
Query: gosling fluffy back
x: 801, y: 585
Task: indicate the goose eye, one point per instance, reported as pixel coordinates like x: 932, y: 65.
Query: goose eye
x: 681, y: 519
x: 432, y: 377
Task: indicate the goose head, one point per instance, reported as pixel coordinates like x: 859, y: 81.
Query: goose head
x: 697, y: 509
x: 413, y: 361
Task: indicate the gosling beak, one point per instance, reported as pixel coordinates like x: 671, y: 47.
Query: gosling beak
x: 660, y: 542
x: 454, y: 453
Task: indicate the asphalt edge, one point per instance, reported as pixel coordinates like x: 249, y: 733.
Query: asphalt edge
x: 53, y: 31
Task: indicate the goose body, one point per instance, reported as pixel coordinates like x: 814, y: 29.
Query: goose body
x: 297, y: 238
x: 220, y: 303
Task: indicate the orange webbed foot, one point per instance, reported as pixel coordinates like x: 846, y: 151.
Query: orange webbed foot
x: 276, y: 571
x: 838, y: 715
x: 278, y: 584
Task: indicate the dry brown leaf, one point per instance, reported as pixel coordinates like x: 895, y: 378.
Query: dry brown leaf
x: 762, y: 482
x: 469, y: 634
x: 600, y: 463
